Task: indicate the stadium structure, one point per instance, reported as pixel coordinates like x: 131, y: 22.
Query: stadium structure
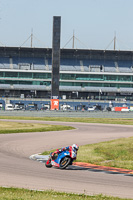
x: 84, y: 74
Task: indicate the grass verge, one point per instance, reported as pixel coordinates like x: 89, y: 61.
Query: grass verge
x: 19, y: 127
x: 24, y: 194
x: 115, y: 153
x: 123, y: 121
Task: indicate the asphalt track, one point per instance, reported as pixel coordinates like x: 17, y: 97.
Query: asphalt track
x: 17, y: 170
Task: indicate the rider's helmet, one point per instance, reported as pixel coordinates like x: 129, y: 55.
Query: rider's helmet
x: 75, y: 147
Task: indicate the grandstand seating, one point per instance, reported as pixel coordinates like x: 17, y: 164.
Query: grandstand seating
x: 15, y: 66
x: 5, y: 86
x: 66, y: 65
x: 31, y: 87
x: 40, y: 67
x: 126, y: 90
x: 103, y: 89
x: 110, y: 69
x: 86, y: 69
x: 4, y: 63
x: 77, y: 68
x: 73, y: 88
x: 86, y: 72
x: 125, y: 63
x: 67, y: 68
x: 4, y: 66
x: 125, y: 69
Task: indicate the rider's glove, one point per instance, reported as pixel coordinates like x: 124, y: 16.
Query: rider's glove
x: 57, y: 151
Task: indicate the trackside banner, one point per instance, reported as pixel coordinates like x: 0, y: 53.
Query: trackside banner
x: 54, y: 104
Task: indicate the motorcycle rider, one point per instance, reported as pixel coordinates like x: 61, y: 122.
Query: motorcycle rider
x: 74, y: 148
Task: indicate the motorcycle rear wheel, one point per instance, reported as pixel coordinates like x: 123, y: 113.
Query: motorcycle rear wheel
x: 65, y: 162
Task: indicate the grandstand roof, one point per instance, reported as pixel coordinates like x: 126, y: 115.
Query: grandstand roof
x: 66, y: 53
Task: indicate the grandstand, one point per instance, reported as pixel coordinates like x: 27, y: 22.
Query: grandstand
x: 84, y: 74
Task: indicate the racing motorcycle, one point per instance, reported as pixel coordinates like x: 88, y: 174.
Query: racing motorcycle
x: 61, y: 160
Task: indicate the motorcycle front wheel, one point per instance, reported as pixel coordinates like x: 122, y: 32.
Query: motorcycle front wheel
x: 48, y: 164
x: 65, y: 162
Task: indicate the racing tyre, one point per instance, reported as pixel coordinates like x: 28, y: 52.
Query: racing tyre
x: 65, y: 162
x: 48, y: 164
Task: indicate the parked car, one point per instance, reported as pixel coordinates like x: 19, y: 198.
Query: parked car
x: 65, y: 107
x: 92, y: 108
x: 9, y: 107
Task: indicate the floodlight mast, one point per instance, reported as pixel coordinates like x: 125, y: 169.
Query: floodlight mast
x: 73, y: 40
x: 114, y: 41
x: 31, y: 38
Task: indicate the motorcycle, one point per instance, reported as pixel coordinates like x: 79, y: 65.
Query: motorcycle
x: 61, y: 160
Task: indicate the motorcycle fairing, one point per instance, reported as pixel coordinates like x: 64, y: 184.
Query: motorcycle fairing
x: 54, y: 163
x: 60, y: 156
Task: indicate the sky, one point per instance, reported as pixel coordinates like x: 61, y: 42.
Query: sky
x: 93, y: 22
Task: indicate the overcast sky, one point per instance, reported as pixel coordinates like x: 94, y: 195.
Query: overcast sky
x: 94, y: 22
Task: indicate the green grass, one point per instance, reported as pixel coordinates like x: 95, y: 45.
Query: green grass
x: 115, y: 153
x: 24, y: 194
x: 72, y: 119
x: 20, y: 127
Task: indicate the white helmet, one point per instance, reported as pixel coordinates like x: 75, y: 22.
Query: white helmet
x: 75, y: 147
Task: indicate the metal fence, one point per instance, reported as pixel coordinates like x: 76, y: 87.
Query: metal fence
x: 86, y: 114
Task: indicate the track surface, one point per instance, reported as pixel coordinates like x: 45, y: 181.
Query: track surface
x: 17, y: 170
